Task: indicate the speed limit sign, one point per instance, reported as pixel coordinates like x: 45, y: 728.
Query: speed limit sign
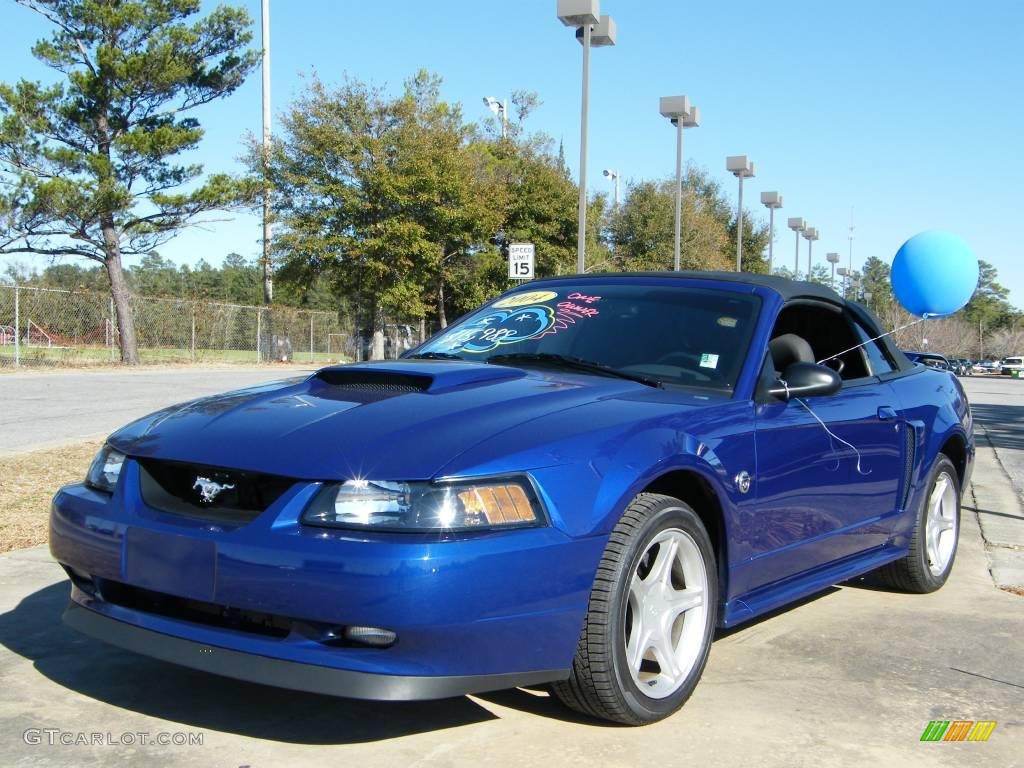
x: 520, y: 261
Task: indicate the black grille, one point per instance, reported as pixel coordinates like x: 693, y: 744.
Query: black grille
x: 369, y: 381
x: 909, y: 454
x: 209, y: 493
x: 196, y: 611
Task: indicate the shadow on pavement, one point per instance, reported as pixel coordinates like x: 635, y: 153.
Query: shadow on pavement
x: 203, y: 701
x: 1003, y: 423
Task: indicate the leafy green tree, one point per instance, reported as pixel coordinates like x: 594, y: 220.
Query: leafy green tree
x: 641, y: 233
x: 88, y: 163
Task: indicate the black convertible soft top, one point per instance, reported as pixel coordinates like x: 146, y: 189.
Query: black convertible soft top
x: 786, y: 288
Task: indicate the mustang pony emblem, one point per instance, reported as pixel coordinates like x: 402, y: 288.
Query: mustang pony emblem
x: 208, y: 489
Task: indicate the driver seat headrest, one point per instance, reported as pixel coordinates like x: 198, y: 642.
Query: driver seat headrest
x: 788, y: 349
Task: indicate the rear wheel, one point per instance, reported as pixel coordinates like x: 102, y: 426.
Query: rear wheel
x: 651, y: 616
x: 933, y: 544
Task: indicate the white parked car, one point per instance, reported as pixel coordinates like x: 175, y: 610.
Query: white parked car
x: 1012, y: 366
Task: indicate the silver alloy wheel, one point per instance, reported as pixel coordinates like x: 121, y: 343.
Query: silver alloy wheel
x: 666, y: 613
x: 940, y: 527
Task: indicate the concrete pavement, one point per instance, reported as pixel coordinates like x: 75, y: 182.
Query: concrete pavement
x: 41, y: 410
x: 998, y: 492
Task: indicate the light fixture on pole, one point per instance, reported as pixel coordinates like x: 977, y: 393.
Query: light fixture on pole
x: 592, y: 29
x: 683, y: 115
x: 614, y: 176
x: 833, y: 259
x: 843, y: 272
x: 741, y: 168
x: 771, y: 201
x: 810, y: 235
x: 500, y: 108
x: 798, y: 226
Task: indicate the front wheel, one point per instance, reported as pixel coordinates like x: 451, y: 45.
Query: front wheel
x: 933, y: 544
x: 650, y: 619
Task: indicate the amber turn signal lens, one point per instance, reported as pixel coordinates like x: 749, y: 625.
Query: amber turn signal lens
x: 498, y: 503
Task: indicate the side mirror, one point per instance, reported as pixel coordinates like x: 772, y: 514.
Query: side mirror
x: 806, y: 380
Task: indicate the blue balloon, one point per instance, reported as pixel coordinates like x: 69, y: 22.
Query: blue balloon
x: 934, y: 274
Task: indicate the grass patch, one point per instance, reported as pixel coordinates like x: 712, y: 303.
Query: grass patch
x: 28, y: 482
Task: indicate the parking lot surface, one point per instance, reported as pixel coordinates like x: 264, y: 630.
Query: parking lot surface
x: 850, y: 677
x: 39, y: 410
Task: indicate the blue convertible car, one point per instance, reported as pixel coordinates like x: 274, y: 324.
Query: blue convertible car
x: 573, y: 485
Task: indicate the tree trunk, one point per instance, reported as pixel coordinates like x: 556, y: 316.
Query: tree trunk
x: 119, y: 292
x: 442, y: 318
x: 423, y: 330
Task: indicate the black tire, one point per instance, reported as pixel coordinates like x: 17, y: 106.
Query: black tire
x: 915, y: 572
x: 601, y: 684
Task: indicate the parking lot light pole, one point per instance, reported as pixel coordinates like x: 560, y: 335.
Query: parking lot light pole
x: 683, y: 115
x: 499, y: 108
x: 833, y: 259
x: 614, y: 176
x: 810, y: 235
x: 592, y: 29
x: 798, y: 226
x: 771, y: 201
x: 843, y: 272
x: 741, y: 168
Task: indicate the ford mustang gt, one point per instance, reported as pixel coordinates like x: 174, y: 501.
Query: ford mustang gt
x: 572, y: 486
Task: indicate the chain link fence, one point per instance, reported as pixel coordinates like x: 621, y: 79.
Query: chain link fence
x: 48, y: 327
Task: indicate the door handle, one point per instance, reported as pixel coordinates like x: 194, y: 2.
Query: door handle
x: 886, y: 413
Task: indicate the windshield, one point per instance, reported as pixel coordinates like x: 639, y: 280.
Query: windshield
x: 670, y: 334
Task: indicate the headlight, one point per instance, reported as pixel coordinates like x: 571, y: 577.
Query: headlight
x: 457, y: 506
x: 105, y: 469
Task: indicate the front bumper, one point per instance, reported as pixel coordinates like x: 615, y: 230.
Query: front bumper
x: 290, y: 674
x: 471, y: 613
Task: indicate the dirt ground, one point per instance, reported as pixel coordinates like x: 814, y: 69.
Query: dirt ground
x: 28, y: 482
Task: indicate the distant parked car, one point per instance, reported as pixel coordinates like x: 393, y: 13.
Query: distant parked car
x: 930, y: 359
x: 986, y: 367
x: 1012, y: 366
x: 960, y: 366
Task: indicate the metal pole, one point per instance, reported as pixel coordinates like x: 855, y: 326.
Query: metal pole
x: 504, y: 119
x: 739, y: 230
x: 259, y: 332
x: 833, y: 275
x: 679, y: 190
x: 796, y: 259
x: 616, y: 189
x: 771, y: 238
x: 581, y: 238
x: 17, y: 326
x: 810, y: 243
x: 193, y: 348
x: 268, y: 272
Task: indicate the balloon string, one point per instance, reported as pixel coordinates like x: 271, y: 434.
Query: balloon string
x: 876, y: 338
x: 833, y: 435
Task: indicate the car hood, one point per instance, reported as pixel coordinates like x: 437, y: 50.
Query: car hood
x: 397, y: 420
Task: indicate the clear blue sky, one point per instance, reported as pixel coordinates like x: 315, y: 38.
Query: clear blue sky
x: 906, y: 111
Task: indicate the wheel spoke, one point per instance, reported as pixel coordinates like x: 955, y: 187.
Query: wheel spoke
x: 637, y: 646
x: 661, y: 571
x: 682, y: 600
x: 665, y: 653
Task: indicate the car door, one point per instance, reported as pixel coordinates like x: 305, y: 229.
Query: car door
x: 828, y: 468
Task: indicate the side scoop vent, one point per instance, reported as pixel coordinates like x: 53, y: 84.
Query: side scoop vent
x: 380, y: 382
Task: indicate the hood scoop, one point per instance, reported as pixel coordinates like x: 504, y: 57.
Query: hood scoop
x: 400, y: 377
